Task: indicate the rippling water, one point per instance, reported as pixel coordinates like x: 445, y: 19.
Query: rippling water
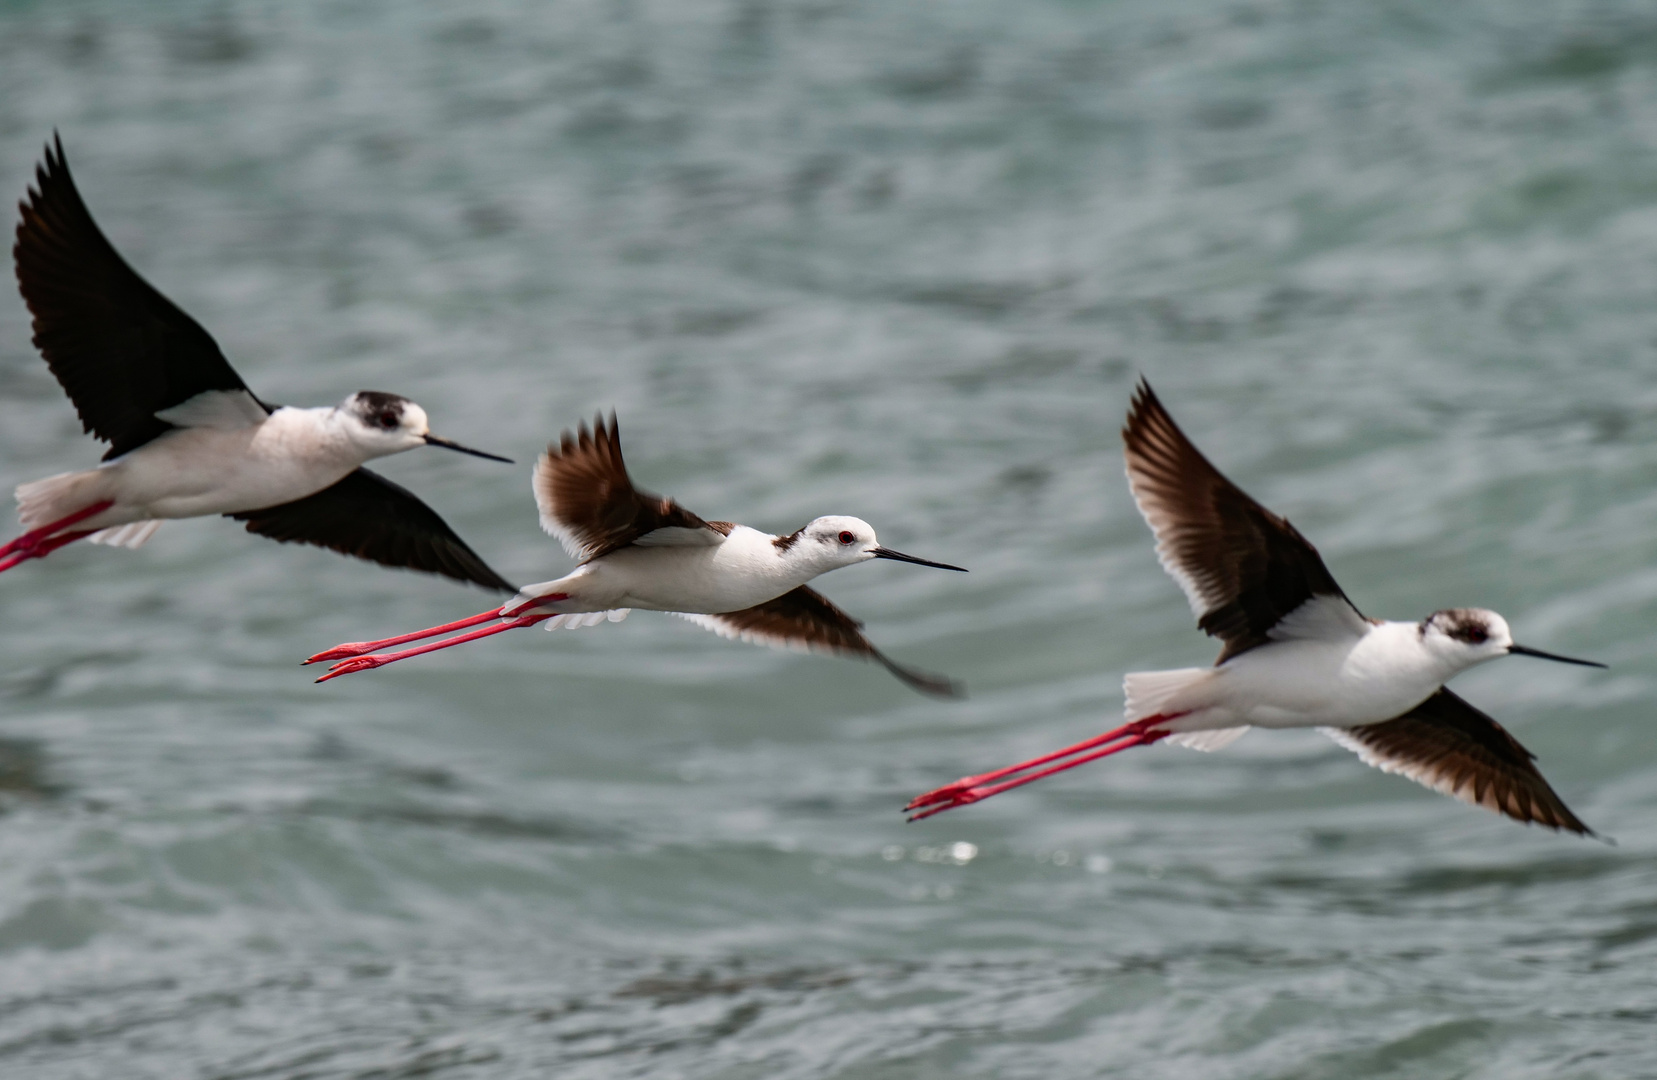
x: 1393, y: 265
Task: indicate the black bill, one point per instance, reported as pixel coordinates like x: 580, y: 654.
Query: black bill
x: 449, y: 444
x: 898, y: 556
x: 1520, y: 650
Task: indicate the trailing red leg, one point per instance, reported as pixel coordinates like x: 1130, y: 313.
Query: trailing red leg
x: 358, y: 648
x: 368, y: 663
x: 971, y: 789
x: 41, y: 542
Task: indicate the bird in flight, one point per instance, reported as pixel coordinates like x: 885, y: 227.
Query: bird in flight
x: 187, y: 437
x: 1295, y: 652
x: 639, y: 550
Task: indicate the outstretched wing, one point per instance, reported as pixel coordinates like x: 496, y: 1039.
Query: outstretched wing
x: 588, y: 502
x: 367, y: 516
x: 804, y: 620
x: 1451, y: 747
x: 121, y: 350
x: 1243, y: 568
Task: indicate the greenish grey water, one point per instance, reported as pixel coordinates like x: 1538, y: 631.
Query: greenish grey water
x: 1392, y: 264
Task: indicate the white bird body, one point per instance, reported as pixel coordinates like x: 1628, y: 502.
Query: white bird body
x: 740, y: 570
x: 1384, y: 670
x: 216, y: 466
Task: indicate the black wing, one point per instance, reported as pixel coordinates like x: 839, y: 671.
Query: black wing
x: 1242, y: 567
x: 367, y: 516
x: 1449, y: 746
x: 805, y: 620
x: 121, y: 350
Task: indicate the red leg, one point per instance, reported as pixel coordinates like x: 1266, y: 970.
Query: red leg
x: 30, y: 542
x: 368, y: 663
x: 978, y: 794
x: 945, y: 792
x: 357, y: 648
x: 970, y: 789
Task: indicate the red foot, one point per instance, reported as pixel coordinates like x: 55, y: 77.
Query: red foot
x: 361, y: 663
x: 41, y: 542
x: 971, y: 789
x: 43, y: 549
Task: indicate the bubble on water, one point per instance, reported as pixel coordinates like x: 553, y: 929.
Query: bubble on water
x: 962, y: 852
x: 944, y: 892
x: 1098, y: 864
x: 892, y: 852
x: 1061, y: 858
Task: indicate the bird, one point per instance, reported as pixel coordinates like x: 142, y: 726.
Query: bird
x: 187, y: 437
x: 639, y: 550
x: 1296, y: 652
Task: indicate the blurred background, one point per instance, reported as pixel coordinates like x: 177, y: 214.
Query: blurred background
x: 1392, y: 265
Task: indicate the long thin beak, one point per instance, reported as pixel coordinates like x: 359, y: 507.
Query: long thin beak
x: 898, y: 556
x: 1520, y: 650
x: 450, y: 444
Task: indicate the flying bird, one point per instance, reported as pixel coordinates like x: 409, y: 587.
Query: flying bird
x: 187, y: 437
x: 1296, y: 652
x: 639, y: 550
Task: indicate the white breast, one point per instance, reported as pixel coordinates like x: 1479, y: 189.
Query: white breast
x: 1320, y: 683
x: 193, y: 471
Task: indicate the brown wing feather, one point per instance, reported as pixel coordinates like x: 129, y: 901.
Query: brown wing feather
x: 1242, y: 567
x: 367, y: 516
x: 1449, y: 746
x: 121, y: 350
x: 588, y: 501
x: 806, y: 621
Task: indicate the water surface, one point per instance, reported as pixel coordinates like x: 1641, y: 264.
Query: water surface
x: 1393, y: 266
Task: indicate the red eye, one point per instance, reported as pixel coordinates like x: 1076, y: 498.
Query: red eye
x: 846, y: 538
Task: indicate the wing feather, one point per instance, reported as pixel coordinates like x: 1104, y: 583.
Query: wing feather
x: 589, y: 504
x: 1448, y: 745
x: 120, y: 350
x: 369, y: 517
x: 803, y: 620
x: 1243, y: 568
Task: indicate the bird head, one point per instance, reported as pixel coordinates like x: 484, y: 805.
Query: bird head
x: 382, y: 424
x: 836, y: 541
x: 1464, y: 637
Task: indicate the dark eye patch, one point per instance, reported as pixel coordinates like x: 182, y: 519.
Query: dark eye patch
x: 1472, y: 633
x: 388, y: 419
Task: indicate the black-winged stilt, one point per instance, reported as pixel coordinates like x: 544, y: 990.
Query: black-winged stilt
x: 187, y: 438
x: 644, y: 551
x: 1296, y: 652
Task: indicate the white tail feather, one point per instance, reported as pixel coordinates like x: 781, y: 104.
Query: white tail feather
x: 41, y: 502
x: 585, y: 618
x: 131, y: 535
x: 1212, y: 739
x: 1148, y: 691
